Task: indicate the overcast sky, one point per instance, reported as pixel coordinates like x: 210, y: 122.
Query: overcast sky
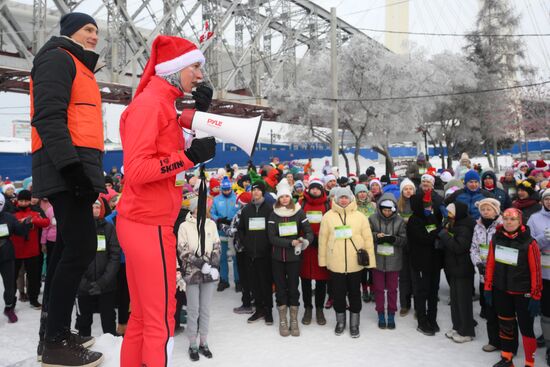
x: 427, y: 16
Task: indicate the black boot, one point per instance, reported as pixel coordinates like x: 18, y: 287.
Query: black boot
x: 340, y: 323
x: 193, y: 353
x: 425, y: 327
x: 205, y: 351
x: 354, y: 324
x: 62, y: 351
x: 504, y: 363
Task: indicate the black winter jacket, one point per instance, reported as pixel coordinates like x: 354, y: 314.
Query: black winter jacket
x: 282, y: 245
x: 421, y: 234
x: 456, y: 243
x: 256, y: 242
x: 104, y: 268
x: 499, y: 194
x: 7, y: 252
x: 52, y: 74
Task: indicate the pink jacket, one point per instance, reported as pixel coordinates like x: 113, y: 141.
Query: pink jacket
x: 153, y: 143
x: 50, y: 232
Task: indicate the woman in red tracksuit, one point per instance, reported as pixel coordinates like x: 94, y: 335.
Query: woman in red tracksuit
x: 153, y: 145
x: 315, y: 205
x: 513, y: 283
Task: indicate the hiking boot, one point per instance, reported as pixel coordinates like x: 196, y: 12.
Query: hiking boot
x: 10, y: 314
x: 382, y: 320
x: 243, y: 310
x: 308, y: 313
x: 36, y: 305
x: 222, y: 285
x: 320, y: 316
x: 404, y: 311
x: 258, y: 315
x: 203, y: 349
x: 268, y: 318
x: 328, y: 304
x: 193, y: 353
x: 340, y: 323
x: 391, y: 321
x: 61, y: 351
x: 85, y: 341
x: 283, y: 322
x: 354, y: 324
x: 489, y: 348
x: 294, y: 329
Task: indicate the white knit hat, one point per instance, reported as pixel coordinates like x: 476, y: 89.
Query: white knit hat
x: 406, y: 182
x: 426, y: 177
x: 446, y: 176
x: 283, y: 190
x: 375, y: 181
x: 493, y: 203
x: 328, y: 178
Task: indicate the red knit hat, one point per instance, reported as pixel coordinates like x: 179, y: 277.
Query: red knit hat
x: 169, y: 54
x: 244, y: 198
x: 214, y: 183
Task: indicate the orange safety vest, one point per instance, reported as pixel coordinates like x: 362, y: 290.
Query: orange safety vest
x: 83, y: 112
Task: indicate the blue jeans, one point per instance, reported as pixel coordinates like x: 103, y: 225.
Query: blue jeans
x: 224, y: 267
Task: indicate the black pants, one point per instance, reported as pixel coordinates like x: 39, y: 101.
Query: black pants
x: 181, y: 300
x: 50, y: 245
x: 105, y: 303
x: 320, y: 292
x: 462, y: 310
x: 346, y: 285
x: 75, y: 248
x: 7, y: 271
x: 366, y: 278
x: 425, y: 296
x: 492, y: 321
x: 33, y: 267
x: 123, y: 295
x: 242, y: 266
x: 406, y: 286
x: 512, y: 310
x: 259, y: 271
x: 286, y: 276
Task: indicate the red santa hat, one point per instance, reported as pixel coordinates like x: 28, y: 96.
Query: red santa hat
x: 169, y: 54
x: 540, y: 164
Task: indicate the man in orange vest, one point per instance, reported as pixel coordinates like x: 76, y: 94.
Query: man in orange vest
x: 67, y: 153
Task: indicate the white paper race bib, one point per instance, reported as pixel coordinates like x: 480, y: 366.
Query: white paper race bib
x: 545, y: 259
x: 101, y: 243
x: 506, y: 255
x: 421, y: 170
x: 343, y: 232
x: 385, y: 249
x: 4, y: 230
x: 314, y: 216
x: 431, y: 228
x: 288, y: 229
x: 256, y: 224
x: 483, y: 251
x: 180, y: 179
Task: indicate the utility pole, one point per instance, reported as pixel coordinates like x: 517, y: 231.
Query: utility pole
x: 334, y: 77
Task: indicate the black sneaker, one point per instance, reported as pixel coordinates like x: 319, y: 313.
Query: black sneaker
x: 85, y: 341
x: 66, y: 353
x: 222, y: 285
x: 425, y: 328
x: 268, y: 317
x: 203, y: 349
x: 36, y: 305
x: 258, y: 315
x: 435, y: 326
x: 194, y: 354
x: 504, y: 363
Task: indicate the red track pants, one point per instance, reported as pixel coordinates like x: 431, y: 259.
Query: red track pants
x: 151, y: 271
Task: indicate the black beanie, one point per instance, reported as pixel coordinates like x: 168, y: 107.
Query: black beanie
x: 260, y: 186
x: 24, y: 195
x: 72, y: 22
x: 109, y: 180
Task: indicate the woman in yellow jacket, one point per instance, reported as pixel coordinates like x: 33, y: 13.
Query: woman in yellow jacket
x: 345, y: 231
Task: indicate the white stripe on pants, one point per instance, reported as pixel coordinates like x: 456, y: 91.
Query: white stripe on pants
x: 199, y: 297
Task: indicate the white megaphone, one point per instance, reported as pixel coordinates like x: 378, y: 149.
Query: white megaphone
x: 242, y: 132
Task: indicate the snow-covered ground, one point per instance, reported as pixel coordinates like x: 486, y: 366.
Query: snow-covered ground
x: 236, y: 343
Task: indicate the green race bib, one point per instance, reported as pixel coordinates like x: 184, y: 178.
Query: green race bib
x: 288, y: 229
x: 545, y: 259
x: 4, y: 230
x: 343, y: 232
x: 483, y: 251
x: 256, y: 224
x: 385, y: 249
x: 101, y: 243
x: 506, y: 255
x: 431, y: 228
x: 314, y: 216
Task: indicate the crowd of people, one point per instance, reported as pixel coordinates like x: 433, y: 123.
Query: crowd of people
x: 320, y: 240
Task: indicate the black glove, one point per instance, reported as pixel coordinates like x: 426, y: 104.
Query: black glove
x: 389, y: 239
x: 77, y: 181
x: 481, y: 268
x: 95, y: 289
x: 203, y: 97
x: 201, y: 150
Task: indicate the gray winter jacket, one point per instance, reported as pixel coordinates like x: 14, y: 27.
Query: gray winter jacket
x: 388, y: 250
x: 537, y: 223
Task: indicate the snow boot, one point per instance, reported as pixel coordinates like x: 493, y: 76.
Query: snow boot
x: 340, y: 323
x: 294, y: 330
x: 354, y: 324
x: 382, y: 320
x: 320, y: 316
x: 283, y: 321
x: 63, y: 351
x: 308, y: 313
x: 391, y: 321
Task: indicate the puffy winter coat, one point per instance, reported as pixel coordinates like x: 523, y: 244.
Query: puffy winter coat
x: 295, y: 224
x: 537, y: 223
x: 389, y: 256
x: 191, y: 256
x: 337, y: 253
x: 456, y: 242
x: 153, y: 154
x: 481, y: 239
x: 314, y: 208
x: 54, y: 69
x: 421, y: 234
x: 368, y: 208
x: 103, y: 270
x: 224, y: 208
x: 499, y: 194
x: 50, y: 232
x: 9, y: 227
x: 29, y: 245
x: 470, y: 198
x: 252, y: 232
